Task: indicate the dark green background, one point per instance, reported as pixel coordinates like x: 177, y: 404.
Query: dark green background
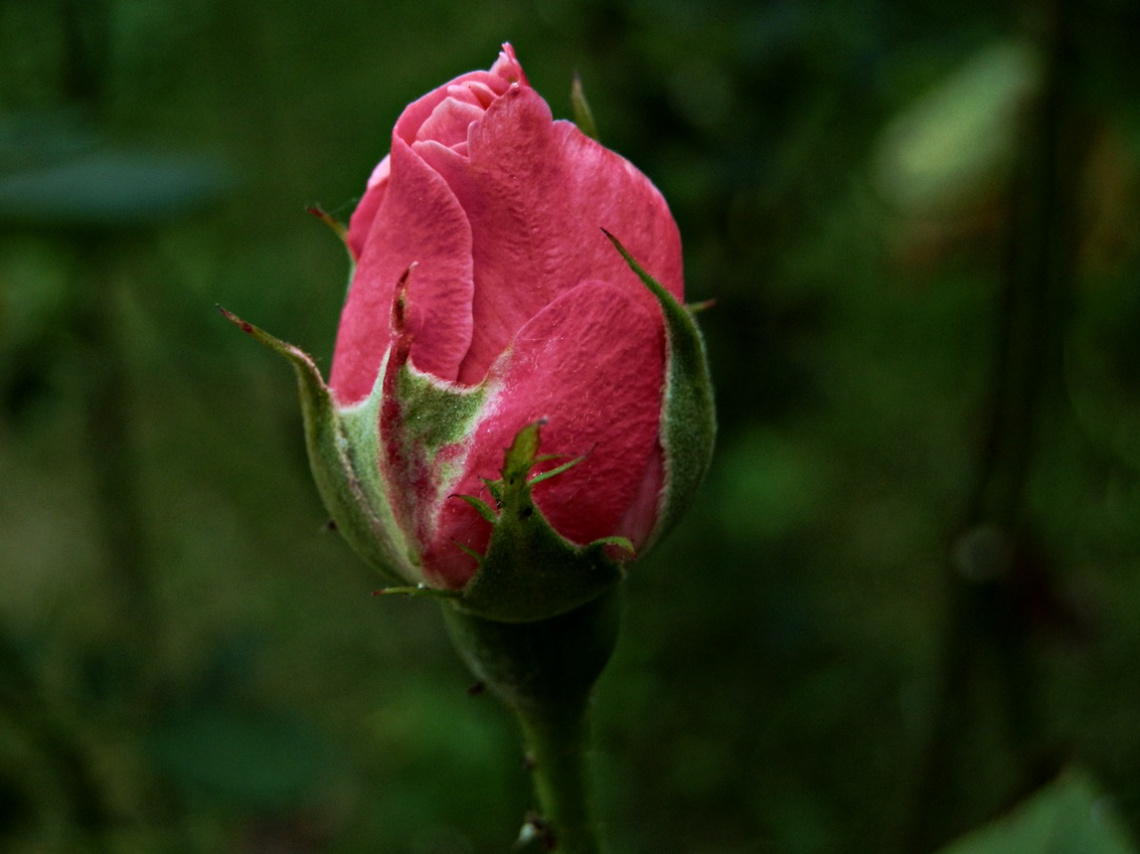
x: 190, y: 663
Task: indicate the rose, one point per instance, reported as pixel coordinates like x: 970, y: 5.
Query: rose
x: 488, y: 310
x: 516, y: 407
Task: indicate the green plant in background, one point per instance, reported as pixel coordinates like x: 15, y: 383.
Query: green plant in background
x: 781, y: 681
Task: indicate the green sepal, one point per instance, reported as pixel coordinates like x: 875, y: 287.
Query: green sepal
x: 531, y: 572
x: 688, y: 416
x: 583, y: 115
x: 338, y: 227
x: 482, y: 508
x: 343, y: 457
x: 434, y: 414
x: 554, y: 472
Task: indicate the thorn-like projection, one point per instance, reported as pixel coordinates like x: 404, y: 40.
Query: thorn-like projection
x: 536, y: 829
x: 244, y: 325
x: 331, y: 221
x: 418, y: 590
x: 298, y: 357
x: 583, y: 115
x: 698, y: 307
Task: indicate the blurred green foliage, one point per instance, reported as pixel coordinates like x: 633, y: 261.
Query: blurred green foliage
x: 1069, y: 816
x: 188, y: 662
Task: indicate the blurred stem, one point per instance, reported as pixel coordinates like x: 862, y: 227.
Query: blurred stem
x: 119, y: 522
x: 110, y: 443
x: 110, y: 446
x: 985, y: 617
x: 545, y: 671
x: 86, y: 29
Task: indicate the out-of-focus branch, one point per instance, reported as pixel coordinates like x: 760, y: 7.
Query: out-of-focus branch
x: 991, y: 567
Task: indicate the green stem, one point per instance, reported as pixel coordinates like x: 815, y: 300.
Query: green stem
x: 556, y: 741
x: 544, y: 671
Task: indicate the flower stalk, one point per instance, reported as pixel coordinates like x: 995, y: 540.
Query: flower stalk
x: 996, y: 584
x: 556, y: 755
x: 544, y: 671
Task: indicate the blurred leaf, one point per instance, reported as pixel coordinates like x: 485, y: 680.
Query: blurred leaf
x: 1069, y: 816
x: 241, y: 758
x: 948, y: 148
x: 583, y: 115
x: 30, y: 140
x: 108, y: 189
x: 451, y: 755
x: 766, y: 485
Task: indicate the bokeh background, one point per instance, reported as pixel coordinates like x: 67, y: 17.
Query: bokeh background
x: 908, y: 596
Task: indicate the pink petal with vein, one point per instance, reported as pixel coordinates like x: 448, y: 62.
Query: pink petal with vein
x: 592, y: 364
x: 537, y: 194
x: 418, y: 221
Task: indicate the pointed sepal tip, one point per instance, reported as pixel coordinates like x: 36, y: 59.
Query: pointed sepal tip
x: 688, y: 417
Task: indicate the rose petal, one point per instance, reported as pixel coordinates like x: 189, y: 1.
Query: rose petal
x: 537, y: 194
x: 418, y: 221
x: 449, y: 121
x: 361, y: 222
x: 629, y: 206
x: 424, y: 119
x: 507, y: 66
x: 381, y: 173
x: 474, y: 93
x: 418, y: 112
x: 592, y: 364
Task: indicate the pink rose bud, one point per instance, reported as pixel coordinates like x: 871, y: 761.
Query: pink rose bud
x: 516, y: 406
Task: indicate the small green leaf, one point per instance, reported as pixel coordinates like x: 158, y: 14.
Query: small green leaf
x: 520, y: 457
x: 495, y: 487
x: 480, y: 505
x: 470, y: 552
x: 546, y: 475
x: 583, y: 115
